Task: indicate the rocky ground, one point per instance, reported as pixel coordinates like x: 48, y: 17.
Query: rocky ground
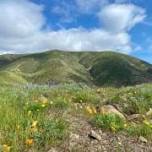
x: 85, y: 138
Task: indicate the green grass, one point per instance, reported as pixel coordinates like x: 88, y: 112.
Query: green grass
x: 109, y: 122
x: 18, y: 111
x: 60, y: 103
x: 134, y: 99
x: 36, y: 118
x: 140, y: 130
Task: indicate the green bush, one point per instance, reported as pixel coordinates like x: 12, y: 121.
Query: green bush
x: 140, y: 130
x: 109, y: 122
x: 133, y: 100
x: 51, y: 131
x: 60, y: 103
x: 86, y: 96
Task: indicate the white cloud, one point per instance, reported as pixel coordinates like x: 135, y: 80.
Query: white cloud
x: 19, y: 18
x: 81, y: 39
x: 22, y: 30
x: 121, y: 17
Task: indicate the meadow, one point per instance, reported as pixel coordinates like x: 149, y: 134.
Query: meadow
x: 37, y: 118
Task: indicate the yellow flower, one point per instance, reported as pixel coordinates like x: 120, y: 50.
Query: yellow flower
x: 94, y: 110
x: 6, y: 148
x: 34, y: 124
x: 125, y: 125
x: 29, y: 142
x: 18, y: 127
x: 43, y: 105
x: 113, y: 129
x: 89, y: 110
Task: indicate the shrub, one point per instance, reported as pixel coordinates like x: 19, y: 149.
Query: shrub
x: 109, y: 122
x: 60, y: 103
x: 86, y: 96
x: 140, y: 130
x: 50, y: 131
x: 133, y: 100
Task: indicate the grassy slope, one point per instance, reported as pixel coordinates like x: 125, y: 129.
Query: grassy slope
x: 40, y: 118
x: 49, y: 109
x: 105, y: 68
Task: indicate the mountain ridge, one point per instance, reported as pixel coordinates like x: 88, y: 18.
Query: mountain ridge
x: 92, y: 68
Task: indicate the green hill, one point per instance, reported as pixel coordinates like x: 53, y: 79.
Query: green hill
x: 99, y: 68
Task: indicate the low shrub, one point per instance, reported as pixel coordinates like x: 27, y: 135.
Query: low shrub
x: 109, y: 122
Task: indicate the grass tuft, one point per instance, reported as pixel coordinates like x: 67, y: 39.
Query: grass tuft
x: 109, y: 122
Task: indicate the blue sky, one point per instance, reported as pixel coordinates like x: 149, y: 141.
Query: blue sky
x: 77, y: 25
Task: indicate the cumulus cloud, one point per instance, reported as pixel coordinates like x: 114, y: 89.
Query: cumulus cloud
x: 22, y: 29
x: 20, y: 18
x: 90, y: 6
x: 121, y: 17
x: 82, y: 39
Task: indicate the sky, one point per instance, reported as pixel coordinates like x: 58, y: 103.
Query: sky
x: 30, y: 26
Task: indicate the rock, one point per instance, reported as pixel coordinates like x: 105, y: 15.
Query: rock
x: 109, y: 109
x: 52, y: 150
x: 94, y: 135
x: 142, y: 139
x: 135, y: 117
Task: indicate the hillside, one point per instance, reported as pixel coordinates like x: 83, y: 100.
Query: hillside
x: 76, y: 118
x: 99, y: 68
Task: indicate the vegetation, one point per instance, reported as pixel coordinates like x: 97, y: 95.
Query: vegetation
x: 140, y: 130
x: 25, y: 121
x: 36, y: 118
x: 109, y: 122
x: 91, y: 68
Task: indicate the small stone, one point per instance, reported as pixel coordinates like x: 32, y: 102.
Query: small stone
x: 94, y: 135
x: 52, y: 150
x: 142, y: 139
